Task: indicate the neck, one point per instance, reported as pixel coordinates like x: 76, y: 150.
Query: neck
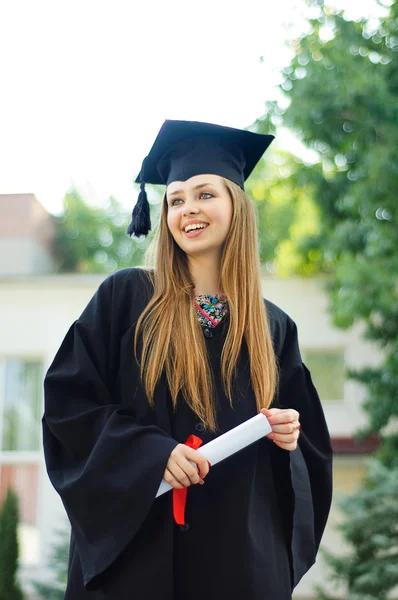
x: 205, y: 272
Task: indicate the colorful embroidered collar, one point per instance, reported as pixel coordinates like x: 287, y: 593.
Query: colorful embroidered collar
x: 211, y: 309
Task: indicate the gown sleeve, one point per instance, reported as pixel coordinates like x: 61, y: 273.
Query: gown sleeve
x: 105, y: 466
x: 304, y: 476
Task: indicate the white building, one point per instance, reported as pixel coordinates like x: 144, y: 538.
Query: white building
x: 36, y: 309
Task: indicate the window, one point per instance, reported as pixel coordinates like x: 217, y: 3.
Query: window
x: 327, y: 371
x: 20, y: 441
x: 20, y: 405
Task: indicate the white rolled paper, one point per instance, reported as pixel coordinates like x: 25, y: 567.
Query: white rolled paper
x: 228, y: 443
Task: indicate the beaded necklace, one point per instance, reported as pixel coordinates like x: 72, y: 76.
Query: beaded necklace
x: 210, y: 309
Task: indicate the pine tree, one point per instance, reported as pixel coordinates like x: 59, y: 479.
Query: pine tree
x: 9, y: 550
x: 370, y: 571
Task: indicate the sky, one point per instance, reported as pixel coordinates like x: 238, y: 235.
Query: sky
x: 86, y: 85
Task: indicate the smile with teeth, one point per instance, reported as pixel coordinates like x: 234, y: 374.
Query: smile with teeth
x: 189, y: 228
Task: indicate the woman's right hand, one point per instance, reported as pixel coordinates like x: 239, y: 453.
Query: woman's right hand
x: 180, y: 472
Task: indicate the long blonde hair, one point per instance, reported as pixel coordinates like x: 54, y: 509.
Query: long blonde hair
x: 172, y: 338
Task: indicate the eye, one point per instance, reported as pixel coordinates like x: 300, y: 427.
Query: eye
x: 203, y: 195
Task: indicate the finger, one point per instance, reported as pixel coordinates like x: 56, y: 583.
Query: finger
x: 287, y: 438
x: 193, y: 455
x: 200, y: 461
x: 271, y: 412
x: 286, y: 446
x: 268, y: 412
x: 182, y: 478
x: 171, y: 480
x: 283, y: 416
x: 190, y: 470
x: 203, y: 466
x: 286, y: 427
x: 180, y: 473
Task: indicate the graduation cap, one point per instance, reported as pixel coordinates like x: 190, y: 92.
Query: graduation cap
x: 183, y: 149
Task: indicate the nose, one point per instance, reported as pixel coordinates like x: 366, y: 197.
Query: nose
x: 189, y: 208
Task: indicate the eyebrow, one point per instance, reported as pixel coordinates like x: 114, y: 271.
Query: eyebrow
x: 196, y: 187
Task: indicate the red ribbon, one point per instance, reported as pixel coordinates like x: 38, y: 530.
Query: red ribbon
x: 180, y: 496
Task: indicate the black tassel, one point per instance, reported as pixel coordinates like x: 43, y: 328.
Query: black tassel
x: 140, y: 220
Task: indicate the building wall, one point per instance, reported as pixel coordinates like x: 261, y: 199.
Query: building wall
x: 23, y: 256
x: 22, y: 215
x: 35, y: 314
x: 307, y: 304
x: 26, y: 233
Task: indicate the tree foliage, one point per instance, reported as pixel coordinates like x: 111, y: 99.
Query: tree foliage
x: 9, y: 549
x: 286, y: 214
x: 343, y: 103
x: 371, y: 529
x: 92, y: 239
x: 341, y: 99
x: 58, y: 563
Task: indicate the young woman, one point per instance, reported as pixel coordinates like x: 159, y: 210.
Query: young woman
x: 190, y: 347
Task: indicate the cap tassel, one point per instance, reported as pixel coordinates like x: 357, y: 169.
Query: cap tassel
x: 140, y: 219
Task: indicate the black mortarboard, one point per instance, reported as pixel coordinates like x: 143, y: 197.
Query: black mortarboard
x: 183, y: 149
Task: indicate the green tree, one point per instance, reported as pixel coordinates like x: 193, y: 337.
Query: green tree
x: 58, y: 563
x: 286, y: 214
x: 342, y: 102
x: 9, y: 549
x: 371, y: 570
x: 91, y: 239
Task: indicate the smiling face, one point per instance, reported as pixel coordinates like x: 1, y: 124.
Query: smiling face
x: 199, y: 214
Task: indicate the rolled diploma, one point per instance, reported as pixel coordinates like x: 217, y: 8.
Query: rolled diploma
x: 228, y: 443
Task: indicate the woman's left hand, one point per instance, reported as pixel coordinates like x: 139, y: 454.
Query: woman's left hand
x: 285, y: 426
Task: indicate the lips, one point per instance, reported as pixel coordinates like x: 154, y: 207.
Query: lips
x: 196, y: 222
x: 195, y: 232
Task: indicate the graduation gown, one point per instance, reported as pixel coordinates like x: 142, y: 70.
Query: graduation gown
x: 252, y: 530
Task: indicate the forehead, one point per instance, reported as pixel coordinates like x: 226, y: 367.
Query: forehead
x: 192, y: 182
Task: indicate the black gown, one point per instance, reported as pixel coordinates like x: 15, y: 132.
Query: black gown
x: 252, y: 530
